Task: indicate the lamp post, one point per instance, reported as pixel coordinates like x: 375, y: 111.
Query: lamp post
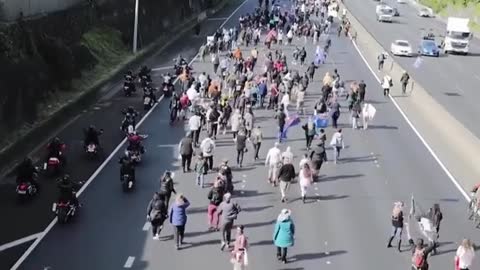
x: 135, y: 28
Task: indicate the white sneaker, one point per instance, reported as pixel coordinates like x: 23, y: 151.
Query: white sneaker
x: 156, y: 237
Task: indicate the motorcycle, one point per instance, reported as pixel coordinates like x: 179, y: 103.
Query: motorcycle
x: 127, y: 126
x: 128, y: 88
x: 127, y: 182
x: 64, y: 211
x: 26, y: 189
x: 168, y: 89
x: 91, y: 150
x: 134, y: 155
x: 53, y: 166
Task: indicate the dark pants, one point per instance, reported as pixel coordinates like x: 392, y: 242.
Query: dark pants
x: 227, y: 231
x: 196, y: 136
x: 282, y: 253
x: 157, y: 225
x: 309, y: 140
x: 209, y: 162
x: 334, y: 122
x: 280, y: 130
x: 386, y: 91
x: 213, y: 130
x: 179, y: 233
x: 240, y: 154
x: 404, y: 88
x: 256, y: 146
x: 380, y: 65
x: 262, y: 100
x: 186, y: 161
x: 167, y: 198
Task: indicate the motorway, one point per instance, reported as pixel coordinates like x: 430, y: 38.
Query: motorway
x: 344, y: 226
x: 32, y: 217
x: 451, y: 79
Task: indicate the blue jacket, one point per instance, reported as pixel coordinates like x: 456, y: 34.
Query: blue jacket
x: 178, y: 214
x: 283, y: 233
x: 262, y: 89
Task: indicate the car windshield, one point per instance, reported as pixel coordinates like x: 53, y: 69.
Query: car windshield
x: 403, y: 44
x: 429, y: 45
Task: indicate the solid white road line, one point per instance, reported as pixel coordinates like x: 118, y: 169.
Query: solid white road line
x: 20, y: 241
x: 216, y: 19
x: 129, y: 262
x: 430, y: 150
x: 162, y: 68
x: 104, y: 164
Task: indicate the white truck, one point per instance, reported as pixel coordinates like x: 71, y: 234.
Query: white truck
x: 458, y: 36
x: 384, y: 13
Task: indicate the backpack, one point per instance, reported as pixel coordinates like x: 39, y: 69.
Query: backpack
x: 418, y: 259
x: 209, y: 148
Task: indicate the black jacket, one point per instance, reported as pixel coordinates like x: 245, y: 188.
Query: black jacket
x: 216, y: 196
x: 397, y: 222
x: 186, y: 146
x: 166, y: 186
x: 286, y: 173
x: 318, y: 153
x: 157, y: 209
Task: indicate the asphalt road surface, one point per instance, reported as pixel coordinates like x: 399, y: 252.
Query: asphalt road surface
x: 344, y: 225
x: 451, y: 79
x: 25, y: 219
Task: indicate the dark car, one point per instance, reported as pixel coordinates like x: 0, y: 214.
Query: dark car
x: 428, y: 47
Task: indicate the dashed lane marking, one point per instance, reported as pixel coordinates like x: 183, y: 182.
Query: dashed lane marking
x: 129, y: 262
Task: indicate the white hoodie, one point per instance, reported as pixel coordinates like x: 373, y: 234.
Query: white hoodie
x: 274, y: 156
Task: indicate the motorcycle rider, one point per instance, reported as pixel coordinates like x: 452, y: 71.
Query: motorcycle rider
x: 130, y: 118
x: 129, y: 76
x: 27, y: 172
x: 67, y: 189
x: 144, y: 72
x: 135, y: 142
x: 91, y: 136
x: 148, y: 91
x: 55, y: 148
x: 126, y: 167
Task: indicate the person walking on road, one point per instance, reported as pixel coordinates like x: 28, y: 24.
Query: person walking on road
x: 335, y: 111
x: 201, y: 168
x: 208, y: 147
x: 195, y: 124
x: 257, y: 137
x: 241, y: 145
x: 338, y: 144
x: 249, y: 120
x: 235, y: 122
x: 318, y: 155
x: 420, y: 255
x: 381, y: 60
x: 215, y: 196
x: 310, y: 131
x: 186, y: 151
x: 404, y: 81
x: 281, y: 116
x: 356, y: 111
x: 167, y: 186
x: 287, y: 156
x: 274, y: 162
x: 239, y: 253
x: 178, y: 218
x: 157, y: 212
x: 465, y: 255
x: 284, y: 234
x: 285, y: 176
x: 305, y: 179
x: 397, y: 225
x: 229, y: 211
x: 387, y: 83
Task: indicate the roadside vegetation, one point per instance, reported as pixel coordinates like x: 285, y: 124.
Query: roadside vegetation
x: 460, y: 8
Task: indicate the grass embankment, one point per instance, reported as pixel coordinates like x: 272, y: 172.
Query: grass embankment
x: 461, y: 8
x: 107, y: 47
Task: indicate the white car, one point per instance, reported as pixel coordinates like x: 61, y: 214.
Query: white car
x: 401, y: 47
x: 425, y: 12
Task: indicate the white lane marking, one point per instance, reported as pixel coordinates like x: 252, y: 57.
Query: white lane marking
x: 244, y: 181
x: 217, y: 19
x: 430, y: 150
x: 327, y: 252
x: 167, y: 145
x: 242, y: 192
x: 378, y: 166
x: 375, y: 161
x: 20, y: 241
x: 317, y: 194
x: 328, y: 262
x: 316, y: 188
x: 243, y: 186
x: 162, y: 68
x: 146, y: 226
x: 129, y: 262
x: 476, y: 76
x: 244, y: 175
x: 104, y: 164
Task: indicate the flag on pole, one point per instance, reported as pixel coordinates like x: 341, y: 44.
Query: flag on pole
x: 292, y: 120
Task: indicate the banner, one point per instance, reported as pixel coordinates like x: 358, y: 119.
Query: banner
x: 293, y: 120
